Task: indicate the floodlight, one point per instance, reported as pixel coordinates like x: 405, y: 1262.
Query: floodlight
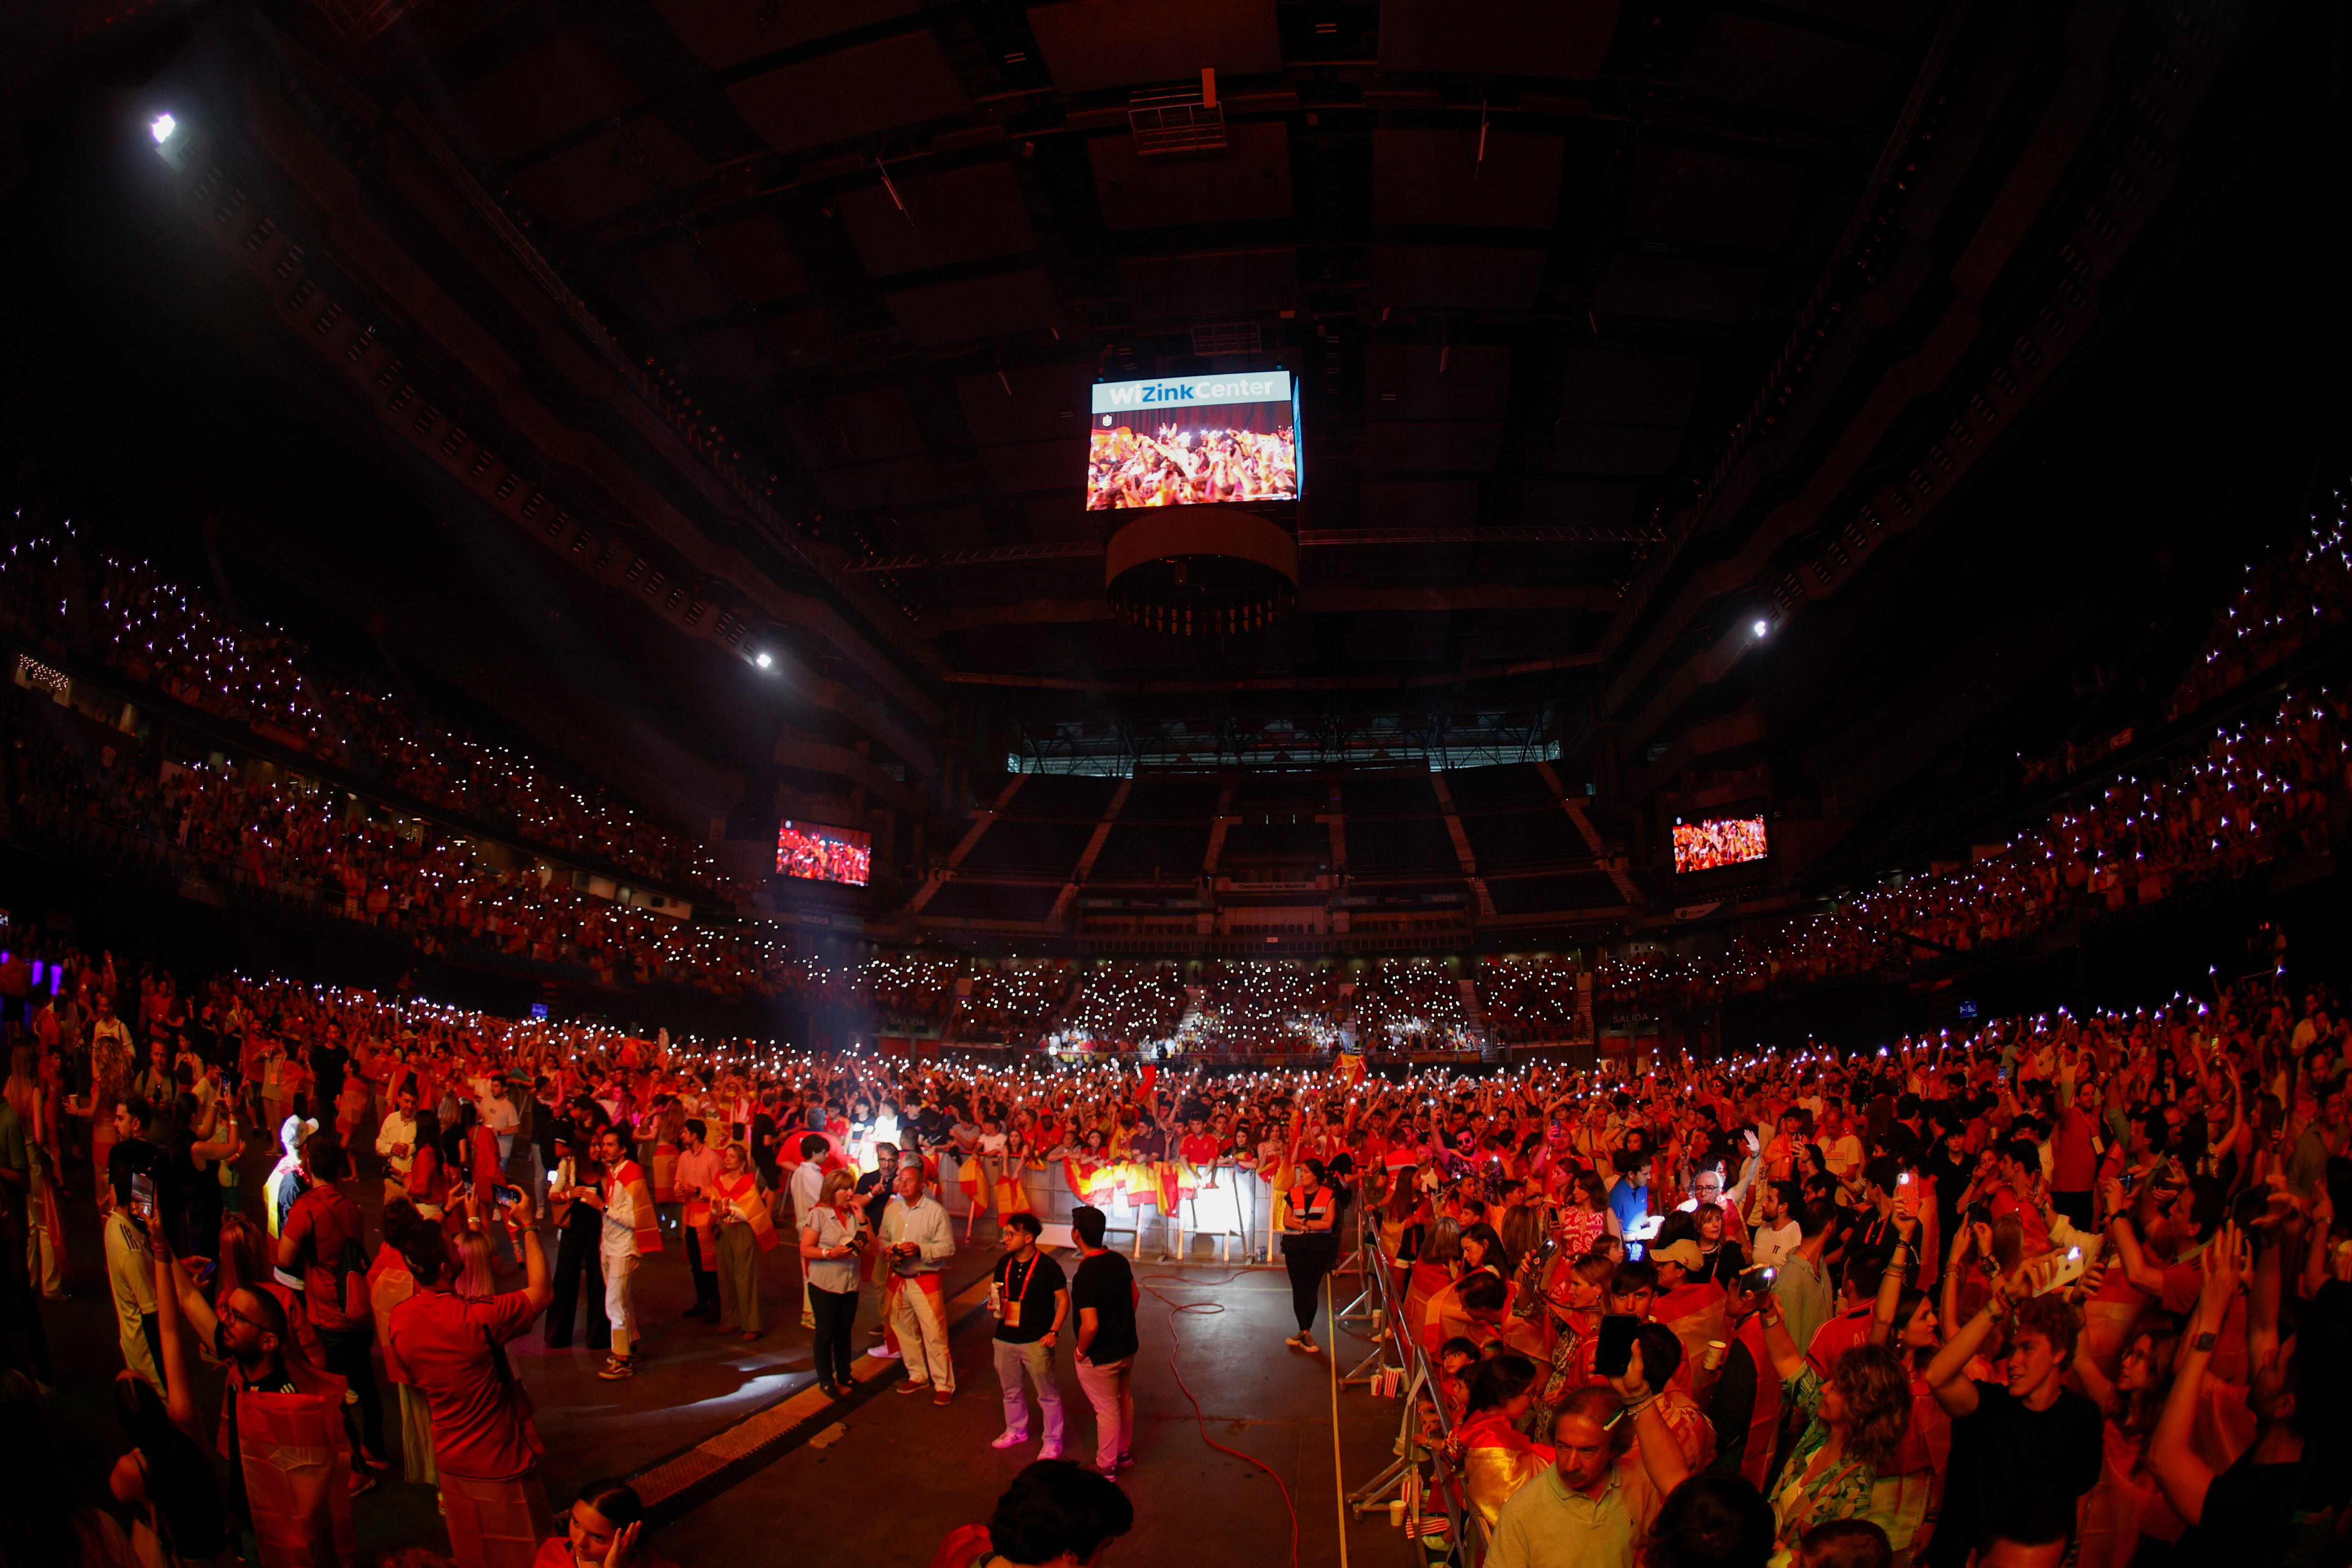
x: 1761, y: 627
x: 161, y: 126
x: 764, y: 660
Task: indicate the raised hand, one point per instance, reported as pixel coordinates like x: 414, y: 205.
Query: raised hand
x: 1632, y: 1383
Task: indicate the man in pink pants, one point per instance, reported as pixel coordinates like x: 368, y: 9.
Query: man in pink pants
x: 1103, y: 1297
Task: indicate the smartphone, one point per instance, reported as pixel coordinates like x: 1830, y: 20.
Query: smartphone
x: 143, y: 1198
x: 1616, y: 1352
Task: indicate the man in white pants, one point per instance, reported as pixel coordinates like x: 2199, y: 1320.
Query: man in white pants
x: 918, y: 1239
x: 626, y: 1235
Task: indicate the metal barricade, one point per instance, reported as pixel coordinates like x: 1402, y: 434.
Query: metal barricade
x: 1397, y: 1358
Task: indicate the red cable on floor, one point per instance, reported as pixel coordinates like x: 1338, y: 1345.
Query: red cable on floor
x: 1210, y: 1308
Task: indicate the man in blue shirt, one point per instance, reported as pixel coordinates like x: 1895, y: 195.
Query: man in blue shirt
x: 1629, y: 1200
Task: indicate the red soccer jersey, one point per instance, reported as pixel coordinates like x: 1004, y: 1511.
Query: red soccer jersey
x: 454, y: 1348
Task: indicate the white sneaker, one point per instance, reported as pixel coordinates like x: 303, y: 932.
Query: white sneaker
x: 883, y: 1353
x: 1050, y: 1451
x: 1012, y: 1440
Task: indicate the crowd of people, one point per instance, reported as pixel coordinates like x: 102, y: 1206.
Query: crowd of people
x: 2064, y: 1288
x: 1531, y: 999
x: 1180, y: 466
x: 2291, y: 599
x: 2261, y: 793
x: 164, y: 633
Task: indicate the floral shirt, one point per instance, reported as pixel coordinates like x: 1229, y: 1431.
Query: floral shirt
x: 1814, y: 1488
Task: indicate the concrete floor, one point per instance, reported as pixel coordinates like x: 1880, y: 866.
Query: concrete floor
x: 901, y: 1473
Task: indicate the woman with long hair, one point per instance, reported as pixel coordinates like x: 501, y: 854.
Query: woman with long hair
x: 2126, y: 1508
x: 1854, y: 1428
x: 1497, y: 1460
x: 1856, y: 1420
x: 1586, y: 1217
x: 739, y: 1214
x: 1573, y: 1291
x: 470, y: 1250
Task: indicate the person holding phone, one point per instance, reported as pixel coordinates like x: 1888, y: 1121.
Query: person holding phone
x: 1032, y: 1299
x: 1310, y: 1246
x: 831, y: 1244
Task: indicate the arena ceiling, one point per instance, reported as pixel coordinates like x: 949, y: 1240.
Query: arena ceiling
x: 1634, y: 339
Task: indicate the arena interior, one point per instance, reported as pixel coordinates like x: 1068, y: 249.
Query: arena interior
x: 1550, y: 783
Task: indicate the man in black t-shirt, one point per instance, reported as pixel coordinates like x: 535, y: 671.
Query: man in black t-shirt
x: 762, y: 1139
x: 2028, y: 1447
x: 328, y: 1062
x: 1105, y: 1296
x: 1032, y: 1299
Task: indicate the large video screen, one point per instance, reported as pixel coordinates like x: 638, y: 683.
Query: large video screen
x: 1717, y: 841
x: 1196, y: 440
x: 824, y: 854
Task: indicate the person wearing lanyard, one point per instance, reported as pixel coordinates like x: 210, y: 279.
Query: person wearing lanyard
x: 1032, y: 1299
x: 1309, y: 1246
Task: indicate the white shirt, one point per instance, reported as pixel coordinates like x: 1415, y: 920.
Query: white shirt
x: 500, y: 1115
x: 397, y: 1129
x: 1775, y: 1243
x: 925, y: 1223
x: 619, y: 1238
x: 807, y: 1186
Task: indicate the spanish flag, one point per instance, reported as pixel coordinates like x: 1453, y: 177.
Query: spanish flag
x: 741, y: 1194
x: 296, y: 1465
x: 631, y: 1177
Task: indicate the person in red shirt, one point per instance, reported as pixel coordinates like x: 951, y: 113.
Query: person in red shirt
x: 1196, y: 1174
x: 453, y: 1348
x: 320, y: 1235
x: 2074, y: 1153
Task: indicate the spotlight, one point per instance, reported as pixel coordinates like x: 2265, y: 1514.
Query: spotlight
x: 174, y: 142
x: 764, y: 660
x: 1761, y: 627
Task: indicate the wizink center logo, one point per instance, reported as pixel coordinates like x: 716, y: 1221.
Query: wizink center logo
x: 1264, y: 386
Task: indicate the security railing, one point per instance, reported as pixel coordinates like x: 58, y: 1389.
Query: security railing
x: 1423, y: 1483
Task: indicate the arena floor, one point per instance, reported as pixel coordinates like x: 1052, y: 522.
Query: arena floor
x: 735, y: 1451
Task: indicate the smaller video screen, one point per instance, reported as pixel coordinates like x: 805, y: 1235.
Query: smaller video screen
x: 1716, y: 841
x: 817, y: 854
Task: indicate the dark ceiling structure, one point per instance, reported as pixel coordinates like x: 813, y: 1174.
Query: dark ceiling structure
x: 1728, y: 403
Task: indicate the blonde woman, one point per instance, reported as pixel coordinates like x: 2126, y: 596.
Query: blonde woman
x: 739, y: 1214
x: 832, y: 1239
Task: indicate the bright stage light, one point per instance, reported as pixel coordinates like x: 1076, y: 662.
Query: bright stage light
x: 764, y: 660
x: 1761, y: 627
x: 161, y: 126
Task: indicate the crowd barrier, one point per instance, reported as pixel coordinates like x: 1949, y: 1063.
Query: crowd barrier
x: 1236, y: 1216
